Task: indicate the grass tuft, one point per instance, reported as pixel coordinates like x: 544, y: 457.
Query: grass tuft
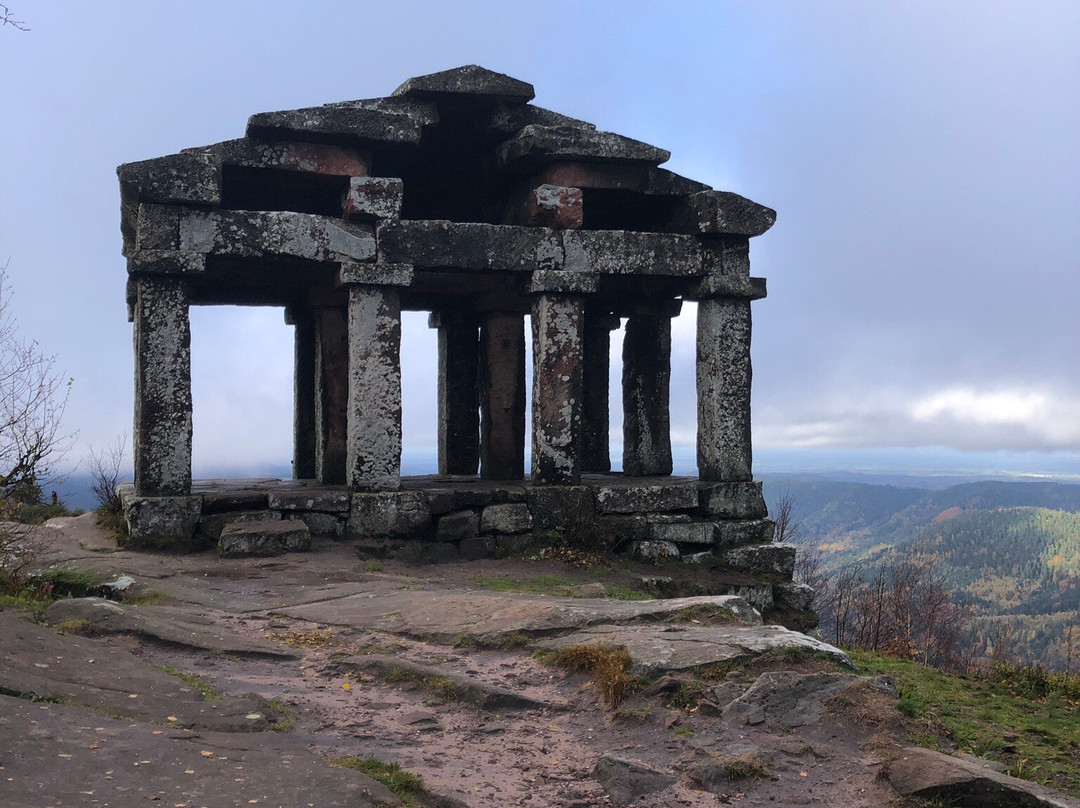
x: 406, y: 786
x: 196, y: 683
x: 609, y: 665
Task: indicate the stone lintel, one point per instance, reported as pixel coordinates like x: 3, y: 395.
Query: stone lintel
x: 270, y: 234
x: 165, y: 262
x: 470, y: 82
x: 550, y: 281
x: 157, y: 227
x: 375, y: 274
x: 314, y: 499
x: 558, y: 326
x: 647, y: 497
x: 626, y: 252
x: 468, y: 246
x: 667, y: 307
x: 360, y: 123
x: 727, y: 286
x: 370, y: 198
x: 311, y: 158
x: 554, y: 206
x: 640, y: 178
x: 373, y: 444
x: 721, y: 213
x: 601, y: 321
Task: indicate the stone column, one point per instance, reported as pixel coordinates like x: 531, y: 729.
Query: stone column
x: 162, y: 429
x: 331, y: 394
x: 502, y: 396
x: 459, y: 402
x: 646, y: 381
x: 304, y: 350
x: 723, y: 389
x: 596, y: 416
x: 558, y: 326
x: 373, y: 445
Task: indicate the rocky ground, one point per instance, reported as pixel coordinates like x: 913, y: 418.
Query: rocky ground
x: 222, y: 682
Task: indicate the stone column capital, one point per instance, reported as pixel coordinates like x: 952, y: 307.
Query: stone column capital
x: 554, y: 281
x: 355, y: 274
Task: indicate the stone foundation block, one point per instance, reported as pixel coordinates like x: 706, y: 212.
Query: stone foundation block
x: 440, y: 501
x: 685, y: 532
x: 424, y: 552
x: 760, y: 596
x: 554, y: 506
x: 225, y: 500
x: 799, y: 597
x: 762, y: 559
x: 476, y: 547
x: 699, y: 559
x: 646, y: 498
x: 512, y: 517
x: 322, y: 524
x: 742, y: 500
x: 211, y: 525
x: 654, y: 551
x: 265, y: 538
x: 626, y: 528
x: 732, y: 533
x: 512, y: 545
x: 457, y: 526
x: 324, y: 501
x: 388, y: 513
x: 162, y: 522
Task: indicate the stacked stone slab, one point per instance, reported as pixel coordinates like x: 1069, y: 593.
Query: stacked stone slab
x: 458, y: 197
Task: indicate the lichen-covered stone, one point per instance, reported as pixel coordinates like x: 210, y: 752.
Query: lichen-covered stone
x: 734, y: 532
x: 457, y: 526
x: 471, y: 81
x: 554, y: 206
x: 646, y: 380
x: 761, y: 559
x: 683, y: 533
x: 555, y: 506
x: 265, y: 538
x: 379, y: 274
x: 322, y: 524
x: 654, y: 550
x: 161, y: 522
x: 577, y: 143
x: 273, y: 234
x: 645, y: 497
x: 799, y: 597
x: 469, y: 246
x: 506, y: 518
x: 501, y: 390
x: 723, y: 390
x: 721, y: 213
x: 738, y: 500
x: 351, y: 124
x: 314, y: 499
x: 558, y: 322
x: 211, y: 525
x: 370, y: 198
x: 388, y: 513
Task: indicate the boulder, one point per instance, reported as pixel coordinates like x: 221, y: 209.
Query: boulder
x: 264, y: 538
x: 790, y: 699
x: 625, y: 780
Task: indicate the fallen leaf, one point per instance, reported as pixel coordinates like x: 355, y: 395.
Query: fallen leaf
x: 802, y: 774
x: 206, y: 753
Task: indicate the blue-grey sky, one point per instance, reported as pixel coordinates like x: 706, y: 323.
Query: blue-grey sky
x: 924, y: 159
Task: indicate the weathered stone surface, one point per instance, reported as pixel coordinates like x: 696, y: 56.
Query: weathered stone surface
x: 554, y: 206
x: 637, y: 177
x: 352, y: 123
x: 375, y: 274
x: 370, y: 198
x: 645, y: 497
x: 318, y: 499
x: 723, y: 390
x: 477, y: 547
x: 735, y: 532
x: 459, y: 399
x: 502, y: 397
x: 471, y: 81
x: 176, y: 178
x: 165, y: 624
x: 654, y: 550
x: 429, y: 552
x: 626, y: 780
x: 655, y: 649
x: 595, y: 415
x: 331, y: 394
x: 794, y: 596
x: 165, y: 262
x: 512, y: 545
x: 322, y: 524
x: 161, y: 522
x: 561, y: 143
x: 162, y: 436
x: 398, y: 513
x: 269, y: 234
x: 304, y: 395
x: 762, y: 559
x: 624, y: 252
x: 211, y: 525
x: 508, y: 118
x: 373, y: 445
x: 721, y: 213
x: 457, y: 526
x: 468, y: 246
x: 739, y: 500
x: 790, y: 699
x: 310, y: 158
x: 507, y: 518
x: 929, y: 775
x: 222, y: 496
x: 646, y: 380
x: 557, y: 324
x: 265, y: 538
x: 561, y: 506
x: 569, y: 283
x: 683, y: 532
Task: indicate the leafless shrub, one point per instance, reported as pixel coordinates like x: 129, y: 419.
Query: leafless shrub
x: 104, y: 466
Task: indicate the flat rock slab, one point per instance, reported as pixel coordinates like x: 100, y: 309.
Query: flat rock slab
x: 447, y: 616
x: 453, y: 685
x: 655, y: 649
x: 791, y: 699
x: 173, y: 625
x: 38, y: 663
x: 625, y: 780
x: 965, y: 784
x: 264, y: 537
x: 56, y: 754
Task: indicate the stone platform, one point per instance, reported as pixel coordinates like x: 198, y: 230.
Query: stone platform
x: 461, y: 516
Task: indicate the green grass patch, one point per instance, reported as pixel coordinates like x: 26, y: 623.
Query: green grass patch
x: 1004, y: 719
x: 620, y: 592
x: 196, y: 683
x: 27, y: 602
x: 406, y: 786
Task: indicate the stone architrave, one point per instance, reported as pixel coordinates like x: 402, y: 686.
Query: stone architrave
x: 596, y: 416
x: 331, y: 394
x: 304, y: 348
x: 558, y: 336
x: 459, y: 402
x: 373, y: 447
x: 162, y: 387
x: 723, y: 389
x: 646, y: 381
x: 502, y: 396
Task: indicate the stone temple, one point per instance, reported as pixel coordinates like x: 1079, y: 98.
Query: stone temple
x: 458, y: 197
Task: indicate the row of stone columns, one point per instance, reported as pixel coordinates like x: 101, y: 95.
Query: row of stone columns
x: 348, y: 387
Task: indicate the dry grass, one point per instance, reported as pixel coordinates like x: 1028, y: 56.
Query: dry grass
x: 609, y: 665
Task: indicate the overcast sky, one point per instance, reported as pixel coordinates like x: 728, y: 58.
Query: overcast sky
x: 923, y: 157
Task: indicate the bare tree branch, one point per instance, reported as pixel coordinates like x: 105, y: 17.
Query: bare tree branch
x: 7, y: 19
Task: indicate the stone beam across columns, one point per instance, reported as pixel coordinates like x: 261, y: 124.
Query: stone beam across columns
x: 373, y: 442
x: 502, y: 396
x: 459, y: 402
x: 646, y: 383
x: 596, y: 414
x: 558, y: 325
x: 162, y: 429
